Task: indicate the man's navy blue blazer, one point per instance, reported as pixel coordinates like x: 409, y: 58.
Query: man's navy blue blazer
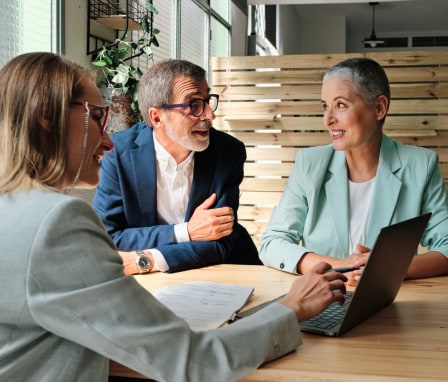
x: 126, y: 199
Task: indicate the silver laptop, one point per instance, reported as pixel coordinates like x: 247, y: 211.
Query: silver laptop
x: 380, y: 281
x: 379, y: 284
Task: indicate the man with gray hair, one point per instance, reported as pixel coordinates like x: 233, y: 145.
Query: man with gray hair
x: 169, y: 192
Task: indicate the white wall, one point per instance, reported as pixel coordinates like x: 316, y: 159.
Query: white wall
x: 239, y: 32
x: 76, y: 31
x: 311, y: 36
x: 322, y: 35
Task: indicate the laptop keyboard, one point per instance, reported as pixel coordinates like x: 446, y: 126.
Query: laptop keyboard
x: 329, y: 317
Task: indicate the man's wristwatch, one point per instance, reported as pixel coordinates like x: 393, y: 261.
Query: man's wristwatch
x: 143, y: 262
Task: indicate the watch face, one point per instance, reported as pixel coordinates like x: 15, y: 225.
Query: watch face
x: 143, y: 263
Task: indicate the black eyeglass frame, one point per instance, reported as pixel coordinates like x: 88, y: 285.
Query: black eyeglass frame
x: 191, y: 104
x: 103, y: 125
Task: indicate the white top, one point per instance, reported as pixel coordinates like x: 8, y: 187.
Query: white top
x: 173, y: 193
x: 360, y: 197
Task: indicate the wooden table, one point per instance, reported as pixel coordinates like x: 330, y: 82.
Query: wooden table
x: 407, y: 341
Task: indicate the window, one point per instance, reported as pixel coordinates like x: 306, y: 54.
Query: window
x: 219, y: 44
x: 193, y: 30
x: 222, y: 8
x: 194, y: 34
x: 165, y: 21
x: 28, y: 26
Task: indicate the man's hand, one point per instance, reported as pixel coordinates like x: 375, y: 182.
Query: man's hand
x: 210, y: 224
x: 314, y: 291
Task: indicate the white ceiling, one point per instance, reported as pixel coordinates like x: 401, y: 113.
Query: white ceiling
x: 391, y: 16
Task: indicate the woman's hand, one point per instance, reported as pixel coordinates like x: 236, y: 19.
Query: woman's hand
x: 357, y: 259
x: 314, y: 291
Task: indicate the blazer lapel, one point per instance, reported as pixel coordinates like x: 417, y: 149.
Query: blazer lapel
x: 336, y: 189
x: 203, y: 173
x: 144, y: 173
x: 383, y: 206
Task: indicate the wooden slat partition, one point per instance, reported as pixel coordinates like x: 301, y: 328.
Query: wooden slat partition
x: 272, y: 104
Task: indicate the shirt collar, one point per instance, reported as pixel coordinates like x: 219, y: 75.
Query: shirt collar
x: 165, y: 159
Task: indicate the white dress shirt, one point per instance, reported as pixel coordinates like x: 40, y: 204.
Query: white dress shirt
x: 173, y: 192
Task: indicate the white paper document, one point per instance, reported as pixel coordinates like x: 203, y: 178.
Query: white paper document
x: 204, y: 305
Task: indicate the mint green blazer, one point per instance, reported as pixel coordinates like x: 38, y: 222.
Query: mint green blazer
x: 313, y: 213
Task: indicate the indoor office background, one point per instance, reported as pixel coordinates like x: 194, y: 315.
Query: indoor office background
x: 197, y: 30
x: 190, y: 29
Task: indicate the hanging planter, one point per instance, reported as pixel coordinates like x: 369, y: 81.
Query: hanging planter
x: 121, y: 114
x: 120, y: 79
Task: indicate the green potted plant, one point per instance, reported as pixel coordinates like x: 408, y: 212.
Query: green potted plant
x: 119, y: 73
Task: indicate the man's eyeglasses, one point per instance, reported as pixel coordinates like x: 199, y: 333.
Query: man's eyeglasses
x: 99, y: 113
x: 197, y: 105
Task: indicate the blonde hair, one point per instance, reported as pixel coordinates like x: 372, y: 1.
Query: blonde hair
x: 37, y: 89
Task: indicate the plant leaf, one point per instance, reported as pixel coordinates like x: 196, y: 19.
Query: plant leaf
x: 99, y: 63
x: 120, y: 78
x: 155, y: 41
x: 151, y: 8
x: 147, y: 50
x: 145, y: 23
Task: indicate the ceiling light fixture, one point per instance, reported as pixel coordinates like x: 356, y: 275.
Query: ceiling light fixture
x: 372, y: 40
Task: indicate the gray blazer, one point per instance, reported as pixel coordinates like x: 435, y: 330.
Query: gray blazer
x: 66, y: 307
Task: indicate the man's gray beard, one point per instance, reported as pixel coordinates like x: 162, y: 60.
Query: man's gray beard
x: 189, y: 142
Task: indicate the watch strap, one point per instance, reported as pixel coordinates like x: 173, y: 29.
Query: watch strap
x: 143, y: 262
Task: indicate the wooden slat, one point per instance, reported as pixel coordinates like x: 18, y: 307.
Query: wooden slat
x: 315, y: 76
x: 309, y: 76
x: 411, y: 133
x: 254, y: 213
x: 418, y: 106
x: 393, y: 122
x: 397, y: 122
x: 443, y: 153
x: 289, y: 139
x: 313, y: 91
x: 265, y: 185
x: 287, y: 61
x: 398, y: 58
x: 285, y: 92
x: 268, y: 169
x: 422, y: 90
x: 278, y: 153
x: 418, y: 74
x: 410, y: 58
x: 271, y: 109
x: 238, y: 122
x: 444, y: 170
x: 257, y: 198
x: 255, y: 228
x: 303, y: 139
x: 441, y: 140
